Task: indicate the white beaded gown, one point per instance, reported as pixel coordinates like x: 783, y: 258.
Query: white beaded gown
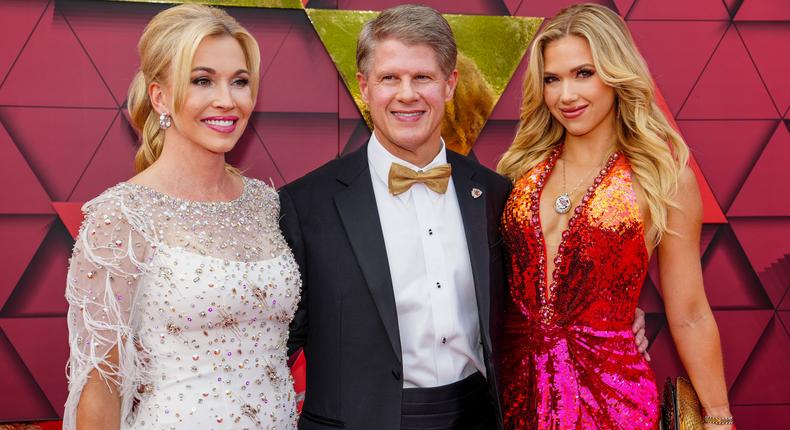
x: 197, y: 296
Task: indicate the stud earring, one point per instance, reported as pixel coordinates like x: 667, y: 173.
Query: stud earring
x: 164, y: 121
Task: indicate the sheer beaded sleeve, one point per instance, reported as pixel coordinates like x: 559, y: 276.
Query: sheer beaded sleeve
x: 110, y: 255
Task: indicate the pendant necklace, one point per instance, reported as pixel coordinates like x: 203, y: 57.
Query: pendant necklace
x: 562, y: 204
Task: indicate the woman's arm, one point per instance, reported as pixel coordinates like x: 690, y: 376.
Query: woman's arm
x: 100, y: 402
x: 688, y: 313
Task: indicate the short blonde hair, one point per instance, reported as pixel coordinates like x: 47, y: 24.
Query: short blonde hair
x: 167, y: 49
x: 412, y: 25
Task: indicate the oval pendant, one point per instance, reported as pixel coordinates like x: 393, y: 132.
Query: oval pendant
x: 562, y: 204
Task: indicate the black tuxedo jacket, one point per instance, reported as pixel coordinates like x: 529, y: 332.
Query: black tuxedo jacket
x: 347, y: 321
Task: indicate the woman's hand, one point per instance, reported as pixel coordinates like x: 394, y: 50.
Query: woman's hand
x: 638, y: 328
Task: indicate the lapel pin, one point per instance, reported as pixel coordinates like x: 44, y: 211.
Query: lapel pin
x: 476, y: 192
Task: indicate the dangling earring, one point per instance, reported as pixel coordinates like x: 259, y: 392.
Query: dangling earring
x: 164, y: 121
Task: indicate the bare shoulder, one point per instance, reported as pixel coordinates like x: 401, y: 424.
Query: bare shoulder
x: 688, y: 195
x: 685, y: 216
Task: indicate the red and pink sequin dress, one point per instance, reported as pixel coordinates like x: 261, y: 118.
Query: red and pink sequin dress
x: 570, y: 360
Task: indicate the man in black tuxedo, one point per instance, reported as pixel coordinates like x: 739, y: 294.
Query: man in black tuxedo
x: 400, y: 252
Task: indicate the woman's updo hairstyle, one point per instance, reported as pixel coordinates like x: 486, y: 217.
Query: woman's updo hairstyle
x: 167, y: 49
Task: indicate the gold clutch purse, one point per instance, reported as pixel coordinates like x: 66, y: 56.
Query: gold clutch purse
x: 680, y: 408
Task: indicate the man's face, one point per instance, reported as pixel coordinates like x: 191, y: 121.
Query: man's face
x: 406, y: 91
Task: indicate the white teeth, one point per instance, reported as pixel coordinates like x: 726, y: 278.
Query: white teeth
x: 219, y: 122
x: 408, y: 114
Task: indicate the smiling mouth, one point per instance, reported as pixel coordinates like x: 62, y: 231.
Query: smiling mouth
x: 408, y: 116
x: 221, y: 124
x: 573, y: 112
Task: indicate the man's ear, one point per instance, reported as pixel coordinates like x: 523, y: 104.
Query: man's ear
x: 452, y: 82
x: 158, y: 98
x: 363, y: 86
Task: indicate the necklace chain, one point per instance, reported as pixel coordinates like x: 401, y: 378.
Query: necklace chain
x: 586, y: 176
x: 563, y: 203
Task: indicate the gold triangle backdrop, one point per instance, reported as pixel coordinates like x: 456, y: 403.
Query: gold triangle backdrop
x: 490, y: 49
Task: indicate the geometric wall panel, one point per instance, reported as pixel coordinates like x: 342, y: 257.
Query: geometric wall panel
x: 299, y: 142
x: 111, y: 163
x: 784, y: 317
x: 676, y: 52
x: 763, y: 10
x: 729, y: 279
x: 650, y: 299
x: 18, y: 19
x: 109, y: 31
x: 763, y: 41
x: 549, y: 8
x: 26, y: 196
x: 726, y: 170
x: 52, y: 45
x: 41, y: 290
x: 761, y: 417
x: 732, y: 5
x: 679, y: 10
x: 253, y: 159
x: 512, y: 5
x: 764, y: 378
x: 352, y: 135
x: 623, y: 7
x: 21, y: 397
x: 25, y: 233
x: 729, y: 87
x: 70, y: 214
x: 750, y: 326
x: 735, y: 350
x: 765, y: 191
x: 44, y: 353
x: 509, y: 105
x: 766, y: 242
x: 711, y: 211
x: 346, y: 106
x: 58, y: 163
x: 63, y: 62
x: 289, y: 84
x: 493, y: 141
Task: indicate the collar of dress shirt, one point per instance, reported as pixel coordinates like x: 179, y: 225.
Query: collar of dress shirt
x: 380, y: 161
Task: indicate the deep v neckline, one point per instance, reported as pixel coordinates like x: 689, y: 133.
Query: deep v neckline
x: 547, y: 287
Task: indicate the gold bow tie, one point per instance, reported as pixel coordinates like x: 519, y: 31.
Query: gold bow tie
x: 401, y: 178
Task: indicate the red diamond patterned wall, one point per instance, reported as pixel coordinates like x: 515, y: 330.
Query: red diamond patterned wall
x: 64, y: 137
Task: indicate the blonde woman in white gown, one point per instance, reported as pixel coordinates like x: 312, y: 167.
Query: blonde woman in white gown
x: 181, y: 287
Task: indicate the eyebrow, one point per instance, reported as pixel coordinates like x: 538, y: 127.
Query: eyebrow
x: 575, y: 69
x: 211, y: 71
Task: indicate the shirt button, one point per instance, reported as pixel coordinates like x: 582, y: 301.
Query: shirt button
x: 444, y: 340
x: 430, y: 232
x: 438, y: 285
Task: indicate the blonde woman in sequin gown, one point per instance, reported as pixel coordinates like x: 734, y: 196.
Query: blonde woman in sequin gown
x: 181, y: 287
x: 600, y: 183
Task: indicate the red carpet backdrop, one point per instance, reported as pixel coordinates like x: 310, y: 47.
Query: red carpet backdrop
x: 721, y: 66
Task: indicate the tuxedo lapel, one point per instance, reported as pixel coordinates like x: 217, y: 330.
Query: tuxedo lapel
x: 472, y: 201
x: 356, y: 205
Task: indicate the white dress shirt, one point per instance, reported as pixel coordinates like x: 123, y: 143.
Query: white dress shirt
x: 431, y: 276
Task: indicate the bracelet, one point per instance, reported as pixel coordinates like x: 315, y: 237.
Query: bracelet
x: 720, y: 421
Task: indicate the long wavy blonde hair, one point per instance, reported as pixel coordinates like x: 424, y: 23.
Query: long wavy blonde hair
x: 655, y: 150
x: 167, y: 48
